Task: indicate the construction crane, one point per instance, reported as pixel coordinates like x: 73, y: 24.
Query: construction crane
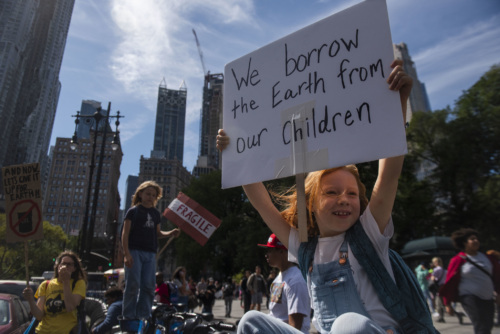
x: 200, y: 53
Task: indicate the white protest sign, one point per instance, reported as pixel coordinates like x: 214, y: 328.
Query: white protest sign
x: 312, y: 100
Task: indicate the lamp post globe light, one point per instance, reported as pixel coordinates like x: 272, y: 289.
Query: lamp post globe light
x: 100, y: 123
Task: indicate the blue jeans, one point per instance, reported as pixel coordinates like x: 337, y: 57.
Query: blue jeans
x: 139, y: 285
x: 429, y: 299
x: 254, y: 322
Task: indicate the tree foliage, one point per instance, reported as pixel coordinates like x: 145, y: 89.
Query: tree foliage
x: 40, y: 252
x: 461, y: 147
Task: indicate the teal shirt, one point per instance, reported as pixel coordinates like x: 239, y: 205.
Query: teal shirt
x: 422, y: 277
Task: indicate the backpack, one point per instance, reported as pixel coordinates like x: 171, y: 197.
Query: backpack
x: 250, y: 282
x: 228, y: 289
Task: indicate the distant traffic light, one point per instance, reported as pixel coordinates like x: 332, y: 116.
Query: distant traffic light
x: 110, y: 264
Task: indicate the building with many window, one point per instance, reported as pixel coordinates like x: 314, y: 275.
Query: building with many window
x: 210, y: 123
x: 66, y: 192
x: 170, y: 123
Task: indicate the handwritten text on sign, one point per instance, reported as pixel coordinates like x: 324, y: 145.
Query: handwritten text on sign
x: 315, y: 99
x: 192, y: 218
x: 23, y: 202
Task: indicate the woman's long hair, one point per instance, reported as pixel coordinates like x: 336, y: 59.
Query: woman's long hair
x: 177, y: 271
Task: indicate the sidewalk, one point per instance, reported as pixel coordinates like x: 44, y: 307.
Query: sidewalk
x: 451, y: 326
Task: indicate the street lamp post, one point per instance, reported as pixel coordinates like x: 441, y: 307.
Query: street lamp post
x: 87, y: 231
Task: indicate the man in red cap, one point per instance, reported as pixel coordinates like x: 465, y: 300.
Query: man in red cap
x: 289, y: 296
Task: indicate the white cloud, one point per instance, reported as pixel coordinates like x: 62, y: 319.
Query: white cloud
x: 458, y: 61
x: 155, y: 41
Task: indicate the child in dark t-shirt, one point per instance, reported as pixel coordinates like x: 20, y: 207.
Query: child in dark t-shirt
x: 141, y: 229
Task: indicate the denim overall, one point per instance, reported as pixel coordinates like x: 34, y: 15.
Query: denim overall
x: 333, y: 290
x: 403, y: 298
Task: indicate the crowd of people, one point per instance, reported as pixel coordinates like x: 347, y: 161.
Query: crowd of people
x: 471, y: 284
x: 471, y: 279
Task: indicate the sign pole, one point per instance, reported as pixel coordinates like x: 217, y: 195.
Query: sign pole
x: 26, y: 257
x: 163, y: 248
x: 301, y: 207
x: 298, y: 168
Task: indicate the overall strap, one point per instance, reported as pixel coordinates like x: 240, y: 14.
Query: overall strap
x: 343, y: 252
x: 404, y: 300
x: 386, y: 288
x: 306, y: 255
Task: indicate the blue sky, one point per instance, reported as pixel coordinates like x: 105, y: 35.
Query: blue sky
x: 119, y: 51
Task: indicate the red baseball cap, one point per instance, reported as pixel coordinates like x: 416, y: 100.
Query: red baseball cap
x: 273, y: 242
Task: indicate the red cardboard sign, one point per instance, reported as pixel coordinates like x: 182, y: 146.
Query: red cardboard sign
x: 192, y: 218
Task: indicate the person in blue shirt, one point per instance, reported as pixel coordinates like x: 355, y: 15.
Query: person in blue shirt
x: 114, y: 299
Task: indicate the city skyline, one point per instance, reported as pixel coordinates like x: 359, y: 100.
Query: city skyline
x: 124, y: 58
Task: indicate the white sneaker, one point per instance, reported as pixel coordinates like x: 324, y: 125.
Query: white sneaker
x: 435, y: 314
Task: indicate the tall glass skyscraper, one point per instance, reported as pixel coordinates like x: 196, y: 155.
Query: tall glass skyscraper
x: 170, y: 123
x: 32, y: 39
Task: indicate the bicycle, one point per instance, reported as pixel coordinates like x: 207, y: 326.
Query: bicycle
x: 166, y: 319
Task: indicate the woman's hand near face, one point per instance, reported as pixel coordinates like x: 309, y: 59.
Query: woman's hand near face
x: 64, y: 273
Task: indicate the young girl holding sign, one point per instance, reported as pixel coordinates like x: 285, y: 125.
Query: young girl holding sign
x: 141, y: 229
x: 344, y: 231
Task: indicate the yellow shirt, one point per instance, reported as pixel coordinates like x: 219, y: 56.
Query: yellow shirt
x: 56, y: 319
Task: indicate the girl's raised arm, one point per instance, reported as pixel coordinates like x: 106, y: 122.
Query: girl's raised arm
x: 386, y: 186
x: 261, y: 200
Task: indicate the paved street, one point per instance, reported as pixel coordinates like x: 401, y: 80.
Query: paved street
x: 450, y: 327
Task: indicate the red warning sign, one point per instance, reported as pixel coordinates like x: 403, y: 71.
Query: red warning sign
x: 25, y: 218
